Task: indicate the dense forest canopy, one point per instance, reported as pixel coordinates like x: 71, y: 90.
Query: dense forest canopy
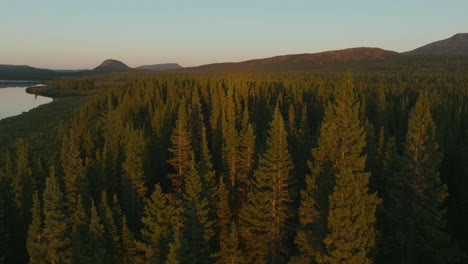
x: 324, y: 167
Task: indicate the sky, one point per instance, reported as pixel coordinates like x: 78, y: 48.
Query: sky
x: 65, y: 34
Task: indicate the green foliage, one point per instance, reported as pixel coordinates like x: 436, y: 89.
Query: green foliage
x: 264, y: 215
x: 156, y: 221
x: 181, y: 149
x: 227, y: 199
x: 351, y: 215
x: 419, y: 211
x: 35, y: 242
x: 198, y: 228
x: 56, y: 232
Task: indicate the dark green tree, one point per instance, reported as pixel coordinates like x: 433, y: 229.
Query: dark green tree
x: 264, y: 215
x: 181, y: 149
x: 307, y: 237
x: 351, y: 208
x: 232, y: 254
x: 35, y: 241
x: 198, y: 227
x: 421, y: 229
x: 156, y: 230
x: 56, y: 232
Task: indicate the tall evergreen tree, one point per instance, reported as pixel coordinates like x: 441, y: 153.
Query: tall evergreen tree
x: 79, y: 237
x: 74, y: 175
x: 128, y: 243
x: 156, y: 223
x: 198, y: 228
x: 181, y: 149
x: 307, y: 237
x: 56, y: 229
x: 264, y: 215
x: 224, y: 216
x: 231, y: 252
x: 97, y: 243
x: 351, y: 208
x: 246, y: 162
x: 133, y: 180
x: 421, y: 229
x: 35, y: 242
x: 20, y: 174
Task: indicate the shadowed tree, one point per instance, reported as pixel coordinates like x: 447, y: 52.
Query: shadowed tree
x: 56, y: 229
x: 351, y: 219
x: 263, y: 217
x: 181, y: 149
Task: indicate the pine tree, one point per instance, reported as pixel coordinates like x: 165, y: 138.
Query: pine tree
x: 198, y: 228
x: 56, y: 229
x: 21, y: 180
x: 231, y: 252
x: 74, y: 177
x: 423, y: 238
x: 181, y: 149
x: 174, y: 248
x: 351, y: 208
x: 156, y: 223
x: 205, y: 168
x: 307, y: 237
x: 246, y: 162
x: 79, y: 238
x: 35, y: 242
x: 264, y: 215
x: 112, y: 232
x: 133, y: 178
x: 224, y: 215
x: 128, y: 243
x: 231, y: 155
x: 97, y: 243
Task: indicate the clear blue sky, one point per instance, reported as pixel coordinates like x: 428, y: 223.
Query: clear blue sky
x: 64, y: 34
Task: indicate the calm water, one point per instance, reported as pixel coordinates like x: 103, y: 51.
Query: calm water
x: 14, y: 100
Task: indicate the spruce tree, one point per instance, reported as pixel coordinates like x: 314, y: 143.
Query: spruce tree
x: 181, y: 149
x: 112, y: 232
x: 156, y: 223
x: 79, y: 230
x: 264, y: 215
x: 224, y: 216
x: 307, y: 237
x: 231, y: 252
x: 205, y: 168
x: 22, y: 179
x: 35, y: 242
x: 198, y: 227
x: 351, y: 219
x: 74, y: 176
x: 128, y: 243
x: 133, y: 179
x: 246, y: 162
x: 56, y: 229
x: 174, y: 248
x: 423, y: 238
x: 97, y: 243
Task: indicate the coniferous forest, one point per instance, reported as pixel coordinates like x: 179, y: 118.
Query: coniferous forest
x: 332, y: 167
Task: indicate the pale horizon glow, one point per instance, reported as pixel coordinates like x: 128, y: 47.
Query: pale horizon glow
x: 57, y: 34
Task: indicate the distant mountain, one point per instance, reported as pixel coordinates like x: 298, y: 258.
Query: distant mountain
x: 160, y: 67
x: 24, y: 72
x: 458, y: 44
x: 299, y: 62
x: 112, y: 65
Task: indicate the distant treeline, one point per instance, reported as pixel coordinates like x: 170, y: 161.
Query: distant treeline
x: 74, y: 84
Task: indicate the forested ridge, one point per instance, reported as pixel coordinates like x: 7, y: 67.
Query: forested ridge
x: 247, y: 168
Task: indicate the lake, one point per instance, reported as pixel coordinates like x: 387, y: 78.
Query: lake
x: 14, y: 100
